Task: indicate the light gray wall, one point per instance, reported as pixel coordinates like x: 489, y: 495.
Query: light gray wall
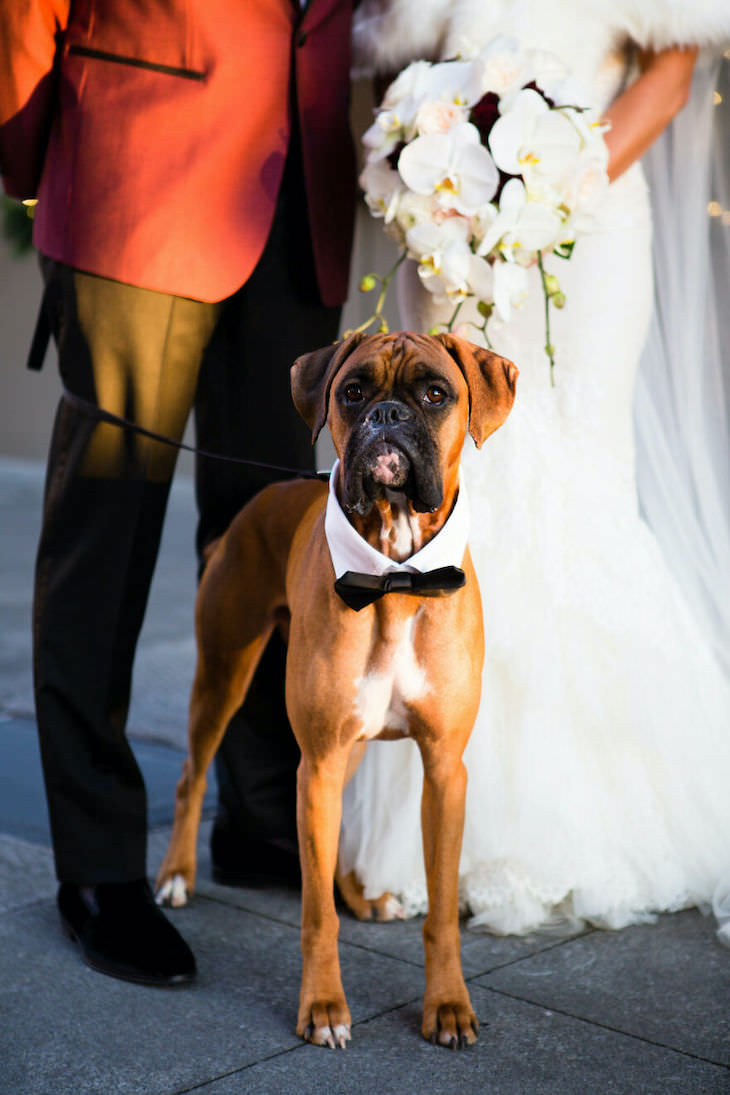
x: 27, y: 399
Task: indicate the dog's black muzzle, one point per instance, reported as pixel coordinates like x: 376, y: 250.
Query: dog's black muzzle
x: 391, y: 448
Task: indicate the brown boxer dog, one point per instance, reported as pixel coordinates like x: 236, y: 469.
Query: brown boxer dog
x: 401, y: 656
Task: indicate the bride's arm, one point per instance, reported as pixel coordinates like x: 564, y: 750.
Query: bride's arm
x: 640, y: 113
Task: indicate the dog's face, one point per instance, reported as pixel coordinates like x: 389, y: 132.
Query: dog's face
x: 398, y: 407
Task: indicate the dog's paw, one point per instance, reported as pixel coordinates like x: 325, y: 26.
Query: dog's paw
x: 325, y: 1025
x: 383, y: 908
x: 173, y: 892
x: 330, y: 1036
x: 451, y: 1024
x: 388, y: 907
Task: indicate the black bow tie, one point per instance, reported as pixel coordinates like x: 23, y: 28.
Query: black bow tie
x: 360, y: 590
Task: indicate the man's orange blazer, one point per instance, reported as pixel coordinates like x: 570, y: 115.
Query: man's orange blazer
x: 154, y: 133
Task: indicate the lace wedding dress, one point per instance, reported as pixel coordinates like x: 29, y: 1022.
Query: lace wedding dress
x: 599, y: 766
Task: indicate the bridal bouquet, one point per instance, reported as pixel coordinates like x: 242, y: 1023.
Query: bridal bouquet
x: 480, y: 167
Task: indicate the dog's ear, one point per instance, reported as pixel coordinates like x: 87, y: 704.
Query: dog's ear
x: 311, y: 379
x: 491, y: 381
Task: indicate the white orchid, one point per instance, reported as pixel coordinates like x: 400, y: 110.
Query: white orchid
x: 429, y: 236
x: 505, y: 68
x: 457, y: 82
x: 450, y: 81
x: 416, y: 209
x: 554, y: 78
x: 403, y: 98
x: 394, y: 121
x: 383, y: 188
x: 591, y: 128
x: 455, y: 166
x: 411, y: 83
x: 481, y: 222
x: 385, y: 134
x: 531, y: 136
x: 440, y: 206
x: 481, y: 278
x: 510, y: 288
x: 520, y: 225
x: 444, y: 257
x: 450, y: 87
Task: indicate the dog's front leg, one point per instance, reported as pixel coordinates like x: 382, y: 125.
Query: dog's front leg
x: 448, y: 1017
x: 324, y: 1017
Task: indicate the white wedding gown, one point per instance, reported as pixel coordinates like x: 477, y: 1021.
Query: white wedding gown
x: 599, y: 766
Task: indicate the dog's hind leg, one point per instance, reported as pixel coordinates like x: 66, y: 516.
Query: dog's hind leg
x: 384, y: 907
x: 241, y: 598
x: 221, y: 681
x: 351, y: 890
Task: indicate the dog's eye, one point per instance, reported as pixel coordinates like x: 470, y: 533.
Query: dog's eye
x: 435, y: 395
x: 353, y: 393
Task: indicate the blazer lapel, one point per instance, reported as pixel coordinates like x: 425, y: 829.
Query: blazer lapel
x: 316, y: 10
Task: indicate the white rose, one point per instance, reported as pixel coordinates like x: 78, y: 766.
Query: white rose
x: 439, y: 117
x: 415, y: 209
x: 505, y: 73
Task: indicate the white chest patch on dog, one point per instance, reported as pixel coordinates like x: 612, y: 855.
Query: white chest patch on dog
x: 382, y: 696
x: 401, y: 538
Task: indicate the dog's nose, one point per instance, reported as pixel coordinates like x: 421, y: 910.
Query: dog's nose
x: 388, y: 413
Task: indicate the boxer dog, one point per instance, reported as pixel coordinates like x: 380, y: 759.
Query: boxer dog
x: 387, y: 653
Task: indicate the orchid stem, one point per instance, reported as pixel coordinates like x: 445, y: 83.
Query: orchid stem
x: 377, y: 316
x: 549, y: 348
x: 386, y: 282
x: 454, y: 314
x: 486, y: 336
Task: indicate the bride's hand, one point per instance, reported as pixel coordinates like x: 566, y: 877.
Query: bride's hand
x: 640, y: 113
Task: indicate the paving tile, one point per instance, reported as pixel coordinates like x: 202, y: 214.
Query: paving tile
x: 23, y: 810
x: 66, y: 1029
x: 522, y: 1050
x: 480, y: 952
x: 668, y: 983
x: 22, y: 797
x: 26, y: 873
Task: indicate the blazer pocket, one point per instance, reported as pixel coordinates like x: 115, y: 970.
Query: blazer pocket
x: 135, y: 62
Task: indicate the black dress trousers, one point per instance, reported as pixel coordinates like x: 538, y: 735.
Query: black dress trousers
x: 150, y: 357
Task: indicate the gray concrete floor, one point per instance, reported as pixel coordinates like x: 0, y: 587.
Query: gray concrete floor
x: 645, y: 1011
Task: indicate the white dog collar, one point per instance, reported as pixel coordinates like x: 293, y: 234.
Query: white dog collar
x: 350, y: 552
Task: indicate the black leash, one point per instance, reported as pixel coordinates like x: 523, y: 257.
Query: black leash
x: 93, y: 411
x: 356, y: 590
x: 36, y: 357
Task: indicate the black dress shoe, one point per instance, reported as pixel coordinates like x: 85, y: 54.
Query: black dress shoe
x: 122, y: 933
x: 242, y: 860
